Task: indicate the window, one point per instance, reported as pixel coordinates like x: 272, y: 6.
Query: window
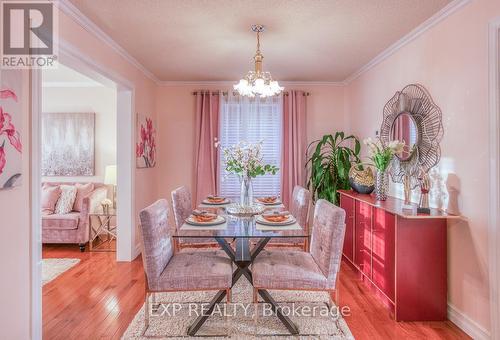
x: 252, y: 120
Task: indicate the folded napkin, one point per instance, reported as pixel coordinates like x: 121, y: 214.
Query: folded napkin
x: 202, y: 213
x: 276, y: 213
x: 214, y: 197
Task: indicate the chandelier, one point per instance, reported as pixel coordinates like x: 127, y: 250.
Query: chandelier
x: 258, y: 82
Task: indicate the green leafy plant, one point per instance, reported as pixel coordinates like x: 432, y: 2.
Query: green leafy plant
x: 329, y: 165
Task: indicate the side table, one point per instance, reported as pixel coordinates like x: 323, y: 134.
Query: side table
x: 101, y: 232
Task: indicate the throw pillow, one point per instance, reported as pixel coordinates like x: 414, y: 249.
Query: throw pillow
x: 82, y: 190
x: 50, y: 196
x: 65, y: 203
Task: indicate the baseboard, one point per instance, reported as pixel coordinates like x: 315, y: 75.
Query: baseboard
x: 137, y: 250
x: 469, y: 326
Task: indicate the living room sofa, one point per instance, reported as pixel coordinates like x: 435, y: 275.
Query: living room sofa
x: 74, y: 226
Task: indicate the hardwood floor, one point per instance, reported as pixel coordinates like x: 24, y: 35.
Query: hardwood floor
x: 99, y: 297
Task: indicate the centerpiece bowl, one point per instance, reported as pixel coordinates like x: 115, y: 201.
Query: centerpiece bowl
x: 237, y: 209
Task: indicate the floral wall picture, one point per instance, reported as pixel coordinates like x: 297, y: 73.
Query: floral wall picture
x: 68, y: 144
x: 10, y: 124
x: 145, y: 147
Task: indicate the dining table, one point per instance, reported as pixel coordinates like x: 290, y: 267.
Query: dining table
x: 242, y: 238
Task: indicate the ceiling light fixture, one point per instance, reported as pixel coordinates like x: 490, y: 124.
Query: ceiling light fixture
x: 258, y: 82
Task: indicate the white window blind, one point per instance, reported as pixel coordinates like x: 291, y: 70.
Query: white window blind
x: 252, y: 120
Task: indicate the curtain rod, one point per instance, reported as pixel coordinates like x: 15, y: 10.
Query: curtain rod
x: 225, y: 93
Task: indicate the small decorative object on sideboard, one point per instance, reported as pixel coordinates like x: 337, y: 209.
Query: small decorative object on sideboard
x: 381, y: 156
x: 106, y: 203
x: 361, y: 178
x: 425, y: 185
x: 407, y: 192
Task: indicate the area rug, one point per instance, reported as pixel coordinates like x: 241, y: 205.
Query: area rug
x: 241, y: 319
x: 52, y: 268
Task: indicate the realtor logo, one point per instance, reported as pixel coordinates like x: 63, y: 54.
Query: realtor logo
x: 28, y: 34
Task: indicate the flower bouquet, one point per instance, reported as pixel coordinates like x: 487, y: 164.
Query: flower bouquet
x: 246, y: 160
x: 381, y: 156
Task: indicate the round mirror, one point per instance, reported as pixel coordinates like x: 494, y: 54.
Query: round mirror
x: 405, y: 130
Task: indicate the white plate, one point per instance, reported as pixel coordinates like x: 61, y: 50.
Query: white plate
x: 261, y: 220
x: 207, y: 202
x: 219, y: 220
x: 277, y: 202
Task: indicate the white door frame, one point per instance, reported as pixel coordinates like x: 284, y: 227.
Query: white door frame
x: 494, y: 192
x: 126, y: 248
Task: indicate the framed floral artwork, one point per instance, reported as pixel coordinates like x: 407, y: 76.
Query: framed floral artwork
x: 145, y: 147
x: 11, y: 147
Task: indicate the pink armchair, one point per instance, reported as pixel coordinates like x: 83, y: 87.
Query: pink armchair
x: 184, y: 271
x: 74, y: 226
x: 299, y: 208
x: 298, y: 270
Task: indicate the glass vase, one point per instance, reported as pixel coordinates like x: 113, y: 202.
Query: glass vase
x: 381, y: 185
x: 246, y: 193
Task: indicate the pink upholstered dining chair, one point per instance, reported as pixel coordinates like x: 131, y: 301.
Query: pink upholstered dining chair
x: 182, y: 206
x: 298, y: 270
x: 299, y: 208
x: 184, y: 271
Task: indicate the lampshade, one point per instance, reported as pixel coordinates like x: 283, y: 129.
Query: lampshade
x: 110, y: 175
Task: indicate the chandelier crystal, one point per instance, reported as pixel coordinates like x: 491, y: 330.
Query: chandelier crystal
x: 258, y: 82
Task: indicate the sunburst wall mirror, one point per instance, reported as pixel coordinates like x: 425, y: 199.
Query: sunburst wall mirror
x: 412, y: 116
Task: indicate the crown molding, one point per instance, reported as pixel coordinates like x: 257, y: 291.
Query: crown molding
x: 442, y: 14
x: 231, y: 83
x: 73, y: 84
x: 74, y: 13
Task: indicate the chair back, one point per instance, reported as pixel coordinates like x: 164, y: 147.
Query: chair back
x: 327, y: 238
x: 299, y: 206
x: 182, y: 205
x: 157, y: 248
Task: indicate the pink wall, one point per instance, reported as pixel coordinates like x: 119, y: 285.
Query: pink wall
x: 143, y: 97
x: 176, y: 119
x: 15, y: 255
x: 451, y: 61
x: 15, y: 250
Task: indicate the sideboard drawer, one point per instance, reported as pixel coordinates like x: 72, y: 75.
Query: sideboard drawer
x: 363, y: 244
x: 347, y: 204
x: 383, y: 251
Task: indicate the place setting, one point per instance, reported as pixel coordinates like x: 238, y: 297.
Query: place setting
x: 270, y: 201
x: 204, y: 220
x: 214, y: 201
x: 276, y: 220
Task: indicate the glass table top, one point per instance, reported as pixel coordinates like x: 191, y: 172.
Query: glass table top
x: 240, y: 227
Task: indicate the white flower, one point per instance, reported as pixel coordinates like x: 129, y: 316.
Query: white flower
x: 106, y: 202
x: 396, y: 146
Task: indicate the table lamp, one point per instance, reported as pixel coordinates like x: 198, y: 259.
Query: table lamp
x: 110, y: 179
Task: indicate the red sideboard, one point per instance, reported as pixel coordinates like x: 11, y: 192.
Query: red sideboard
x: 399, y: 253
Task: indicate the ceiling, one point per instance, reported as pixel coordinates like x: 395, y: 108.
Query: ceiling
x: 210, y: 40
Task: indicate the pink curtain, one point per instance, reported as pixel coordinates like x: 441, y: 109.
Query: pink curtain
x: 206, y: 174
x: 401, y: 132
x: 294, y: 145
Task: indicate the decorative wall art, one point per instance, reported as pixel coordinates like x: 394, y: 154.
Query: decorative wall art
x: 10, y: 128
x: 68, y: 144
x: 145, y: 147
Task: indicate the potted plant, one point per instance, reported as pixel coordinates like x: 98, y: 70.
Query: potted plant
x: 330, y: 163
x: 381, y: 156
